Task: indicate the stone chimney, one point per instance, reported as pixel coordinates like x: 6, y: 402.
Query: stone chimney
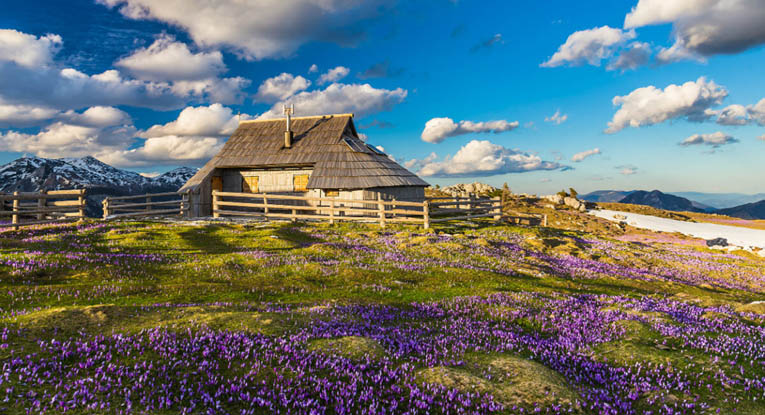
x: 288, y: 134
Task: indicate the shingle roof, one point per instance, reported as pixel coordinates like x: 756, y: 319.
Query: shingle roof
x: 318, y: 141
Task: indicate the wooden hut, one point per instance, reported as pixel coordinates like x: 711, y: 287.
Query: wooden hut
x: 320, y: 156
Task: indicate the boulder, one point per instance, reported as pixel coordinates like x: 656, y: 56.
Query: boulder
x: 717, y: 242
x: 572, y: 202
x: 556, y: 199
x: 465, y: 190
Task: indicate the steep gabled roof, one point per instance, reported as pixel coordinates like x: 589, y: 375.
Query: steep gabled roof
x: 329, y: 143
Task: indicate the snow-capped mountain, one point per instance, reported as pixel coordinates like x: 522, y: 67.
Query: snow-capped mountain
x: 33, y: 174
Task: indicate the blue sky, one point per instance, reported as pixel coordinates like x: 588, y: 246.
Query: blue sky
x: 147, y: 85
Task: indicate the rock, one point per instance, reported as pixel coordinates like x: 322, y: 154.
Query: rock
x: 572, y: 202
x: 717, y: 242
x: 556, y: 199
x: 465, y: 190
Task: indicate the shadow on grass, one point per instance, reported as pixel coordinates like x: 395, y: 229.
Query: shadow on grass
x: 207, y: 240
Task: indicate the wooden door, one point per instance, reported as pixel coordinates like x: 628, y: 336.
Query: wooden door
x: 250, y: 184
x: 217, y: 183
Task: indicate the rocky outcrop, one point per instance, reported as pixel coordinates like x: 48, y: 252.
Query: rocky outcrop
x: 465, y: 190
x: 569, y: 201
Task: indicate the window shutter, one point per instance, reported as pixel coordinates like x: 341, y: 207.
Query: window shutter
x: 300, y: 181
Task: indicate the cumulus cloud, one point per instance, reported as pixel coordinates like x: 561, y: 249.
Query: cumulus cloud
x: 651, y: 105
x: 24, y: 115
x: 438, y: 129
x: 313, y: 68
x: 417, y: 164
x: 484, y: 158
x: 636, y: 55
x: 69, y: 140
x: 28, y: 50
x: 704, y: 27
x: 166, y: 150
x: 257, y: 29
x: 97, y: 117
x: 214, y: 120
x: 757, y: 112
x: 281, y: 87
x: 557, y: 118
x: 579, y: 157
x: 715, y: 140
x: 733, y: 115
x: 334, y: 75
x: 589, y: 46
x: 360, y: 99
x: 169, y: 60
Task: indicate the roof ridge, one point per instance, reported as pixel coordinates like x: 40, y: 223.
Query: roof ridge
x: 299, y: 118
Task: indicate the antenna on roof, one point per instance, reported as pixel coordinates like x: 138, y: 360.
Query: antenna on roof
x: 288, y: 111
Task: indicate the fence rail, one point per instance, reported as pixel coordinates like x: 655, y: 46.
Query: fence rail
x: 45, y: 207
x: 169, y: 203
x: 275, y: 206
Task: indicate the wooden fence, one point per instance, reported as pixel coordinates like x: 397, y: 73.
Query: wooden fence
x: 153, y: 204
x: 275, y: 206
x: 43, y: 207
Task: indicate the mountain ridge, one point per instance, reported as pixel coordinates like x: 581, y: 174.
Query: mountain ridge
x: 35, y: 174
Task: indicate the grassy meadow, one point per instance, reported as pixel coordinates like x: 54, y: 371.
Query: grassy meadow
x: 237, y: 318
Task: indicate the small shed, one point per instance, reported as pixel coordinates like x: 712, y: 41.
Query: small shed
x: 319, y: 156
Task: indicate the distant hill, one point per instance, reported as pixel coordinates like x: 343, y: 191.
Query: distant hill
x: 661, y: 200
x: 721, y: 200
x: 748, y: 211
x: 33, y: 174
x: 605, y: 196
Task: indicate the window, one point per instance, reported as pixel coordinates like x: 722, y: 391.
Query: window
x: 356, y: 145
x: 331, y: 193
x: 250, y: 184
x: 376, y: 150
x: 300, y: 182
x: 217, y: 183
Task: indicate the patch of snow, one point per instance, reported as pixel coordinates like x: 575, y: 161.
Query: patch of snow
x: 738, y: 236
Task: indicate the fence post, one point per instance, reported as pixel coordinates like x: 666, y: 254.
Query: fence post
x: 294, y: 215
x: 15, y: 217
x: 148, y: 203
x: 497, y: 208
x: 105, y: 204
x: 544, y: 221
x: 215, y: 204
x: 81, y: 202
x: 265, y: 203
x: 393, y: 208
x: 332, y: 212
x: 381, y: 210
x: 426, y: 214
x: 41, y: 203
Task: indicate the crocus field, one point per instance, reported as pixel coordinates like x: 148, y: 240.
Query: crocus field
x: 284, y: 318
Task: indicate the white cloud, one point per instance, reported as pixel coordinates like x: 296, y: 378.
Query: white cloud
x: 557, y: 118
x: 757, y: 112
x: 28, y: 50
x: 579, y: 157
x: 257, y: 29
x: 416, y: 164
x: 715, y: 139
x: 676, y: 53
x: 166, y: 150
x: 150, y: 175
x: 98, y: 117
x: 484, y: 158
x: 704, y: 27
x: 168, y: 60
x: 438, y: 129
x: 589, y: 46
x: 636, y: 55
x: 313, y: 68
x: 24, y: 115
x: 68, y: 140
x: 650, y: 105
x: 762, y: 137
x: 281, y: 87
x: 334, y: 75
x: 360, y: 99
x: 733, y: 115
x: 214, y: 120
